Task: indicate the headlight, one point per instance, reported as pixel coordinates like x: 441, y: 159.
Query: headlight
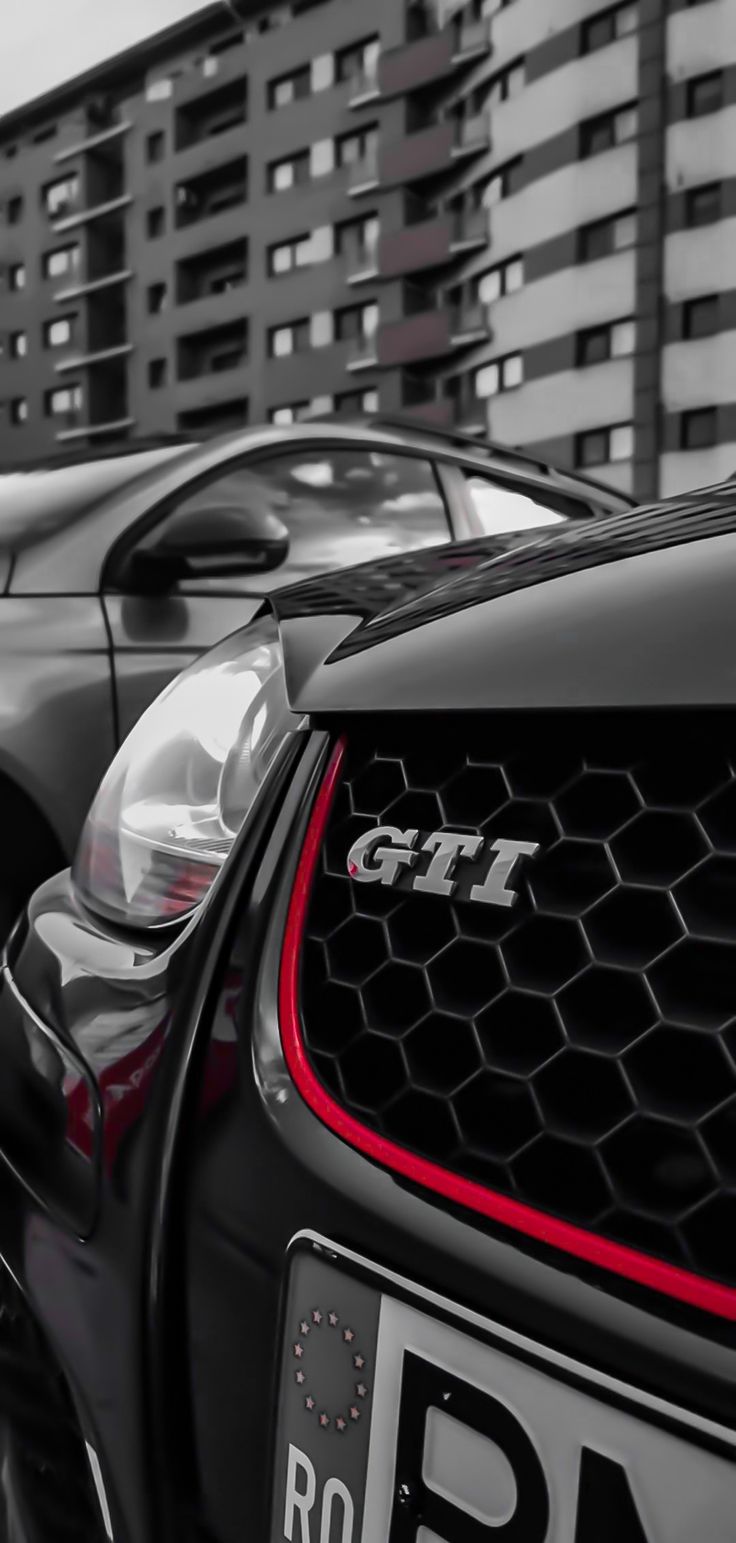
x: 179, y: 789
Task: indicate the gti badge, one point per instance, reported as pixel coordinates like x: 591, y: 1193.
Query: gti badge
x: 383, y: 855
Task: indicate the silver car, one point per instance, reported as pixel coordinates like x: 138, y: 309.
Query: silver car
x: 119, y: 567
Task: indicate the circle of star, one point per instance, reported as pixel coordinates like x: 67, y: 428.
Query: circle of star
x: 319, y: 1322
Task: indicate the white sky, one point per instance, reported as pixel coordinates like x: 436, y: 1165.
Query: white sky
x: 43, y: 42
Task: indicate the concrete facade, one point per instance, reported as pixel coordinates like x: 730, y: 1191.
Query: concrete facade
x: 500, y: 214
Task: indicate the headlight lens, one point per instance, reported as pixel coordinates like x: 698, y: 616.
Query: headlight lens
x: 177, y: 793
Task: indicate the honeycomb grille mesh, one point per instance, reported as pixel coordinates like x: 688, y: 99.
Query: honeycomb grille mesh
x: 576, y: 1052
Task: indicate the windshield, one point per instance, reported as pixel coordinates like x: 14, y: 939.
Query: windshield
x: 37, y: 503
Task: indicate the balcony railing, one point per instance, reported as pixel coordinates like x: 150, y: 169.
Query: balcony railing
x: 96, y: 212
x: 364, y: 175
x: 473, y: 40
x: 363, y: 354
x: 431, y: 334
x: 93, y: 356
x: 470, y: 229
x: 365, y: 88
x: 469, y: 324
x: 431, y: 243
x: 88, y: 286
x: 361, y: 264
x: 77, y: 428
x: 473, y: 136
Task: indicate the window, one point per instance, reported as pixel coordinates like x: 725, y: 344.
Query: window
x: 705, y: 94
x: 360, y: 59
x: 283, y: 416
x: 59, y: 197
x: 292, y: 339
x: 703, y: 204
x: 500, y: 509
x: 607, y: 26
x: 64, y: 259
x: 501, y: 185
x: 700, y: 317
x: 14, y: 210
x: 300, y: 252
x: 502, y: 375
x: 157, y: 372
x: 18, y: 411
x: 17, y: 276
x: 505, y: 279
x: 507, y: 84
x: 18, y: 345
x: 356, y: 322
x: 159, y: 90
x: 604, y: 237
x: 156, y: 298
x: 155, y: 222
x: 351, y: 149
x: 58, y: 332
x: 289, y: 88
x: 610, y: 129
x: 294, y: 172
x: 698, y: 429
x: 356, y: 402
x: 599, y: 446
x: 155, y: 145
x: 65, y: 399
x: 611, y: 342
x: 357, y: 240
x: 339, y: 506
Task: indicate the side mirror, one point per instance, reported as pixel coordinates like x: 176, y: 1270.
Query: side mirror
x: 215, y: 541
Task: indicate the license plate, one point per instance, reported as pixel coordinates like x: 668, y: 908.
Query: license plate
x: 403, y: 1420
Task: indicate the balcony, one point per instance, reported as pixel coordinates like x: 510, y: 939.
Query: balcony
x: 365, y: 88
x: 363, y: 355
x: 93, y: 140
x: 212, y: 351
x: 363, y: 176
x: 212, y: 192
x: 426, y: 153
x: 472, y: 41
x: 214, y: 272
x: 431, y: 243
x: 212, y: 113
x: 96, y: 356
x: 95, y: 212
x: 76, y: 428
x: 473, y: 137
x: 431, y: 334
x: 433, y: 57
x: 90, y: 286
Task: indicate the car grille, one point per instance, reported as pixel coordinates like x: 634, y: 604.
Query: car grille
x: 576, y: 1052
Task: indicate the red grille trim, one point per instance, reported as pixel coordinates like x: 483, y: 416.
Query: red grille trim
x: 672, y: 1281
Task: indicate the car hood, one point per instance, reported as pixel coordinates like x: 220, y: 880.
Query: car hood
x: 631, y: 610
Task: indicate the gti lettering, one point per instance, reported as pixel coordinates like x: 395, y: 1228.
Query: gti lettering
x: 380, y: 855
x: 301, y: 1500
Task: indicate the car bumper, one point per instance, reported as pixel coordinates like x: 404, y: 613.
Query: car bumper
x: 167, y: 1298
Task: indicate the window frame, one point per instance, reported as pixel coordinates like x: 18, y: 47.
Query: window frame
x: 693, y: 110
x: 688, y: 418
x: 128, y: 539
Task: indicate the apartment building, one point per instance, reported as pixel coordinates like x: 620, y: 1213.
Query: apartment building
x: 505, y: 216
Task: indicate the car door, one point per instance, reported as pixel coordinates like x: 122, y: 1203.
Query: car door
x: 340, y: 504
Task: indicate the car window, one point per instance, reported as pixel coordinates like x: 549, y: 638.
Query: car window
x: 340, y: 506
x: 502, y: 509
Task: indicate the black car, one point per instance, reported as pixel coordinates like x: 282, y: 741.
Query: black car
x: 368, y: 1094
x: 119, y: 567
